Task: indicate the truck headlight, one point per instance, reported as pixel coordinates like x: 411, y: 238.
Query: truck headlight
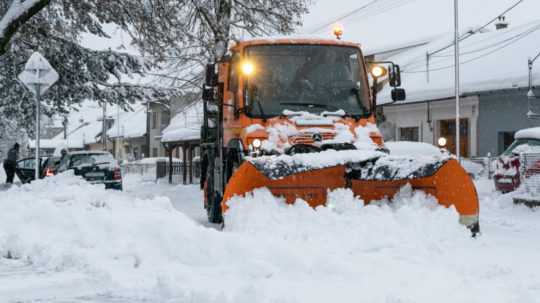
x: 257, y: 143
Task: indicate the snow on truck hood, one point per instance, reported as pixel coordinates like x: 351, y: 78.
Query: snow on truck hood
x: 302, y: 127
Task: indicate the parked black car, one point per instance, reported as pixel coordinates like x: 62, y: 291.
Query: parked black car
x: 97, y: 167
x: 26, y: 168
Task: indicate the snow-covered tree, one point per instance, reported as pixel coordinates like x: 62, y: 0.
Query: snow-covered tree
x: 199, y: 31
x: 55, y: 28
x: 180, y: 35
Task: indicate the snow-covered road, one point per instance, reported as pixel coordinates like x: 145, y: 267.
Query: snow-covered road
x: 62, y: 240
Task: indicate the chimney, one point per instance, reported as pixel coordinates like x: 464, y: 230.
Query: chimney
x: 501, y: 23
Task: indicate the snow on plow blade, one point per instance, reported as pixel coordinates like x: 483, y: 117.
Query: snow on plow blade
x: 372, y: 177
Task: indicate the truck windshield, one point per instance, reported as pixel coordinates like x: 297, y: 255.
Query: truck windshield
x: 312, y: 78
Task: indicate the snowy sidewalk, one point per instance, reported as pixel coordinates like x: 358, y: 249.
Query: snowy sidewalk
x: 63, y: 240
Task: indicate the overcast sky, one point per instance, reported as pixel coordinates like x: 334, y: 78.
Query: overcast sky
x: 393, y: 22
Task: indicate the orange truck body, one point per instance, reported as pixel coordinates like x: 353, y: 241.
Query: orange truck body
x: 451, y: 185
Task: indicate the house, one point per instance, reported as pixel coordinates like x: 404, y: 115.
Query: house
x: 128, y: 134
x: 494, y: 85
x: 182, y: 138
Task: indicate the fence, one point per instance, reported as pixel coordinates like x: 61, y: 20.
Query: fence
x: 529, y: 172
x: 147, y: 170
x: 487, y: 163
x: 160, y: 171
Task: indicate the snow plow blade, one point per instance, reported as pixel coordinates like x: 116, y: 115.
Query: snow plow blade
x: 373, y: 179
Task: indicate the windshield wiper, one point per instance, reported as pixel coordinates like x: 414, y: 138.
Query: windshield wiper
x: 310, y: 105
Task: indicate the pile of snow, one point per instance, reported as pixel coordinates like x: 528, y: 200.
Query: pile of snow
x: 473, y: 168
x: 411, y: 149
x: 135, y: 249
x: 273, y: 166
x: 154, y: 160
x: 528, y: 133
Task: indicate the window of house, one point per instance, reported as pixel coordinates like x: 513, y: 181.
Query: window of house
x: 165, y: 118
x: 154, y: 120
x: 409, y: 134
x: 505, y: 139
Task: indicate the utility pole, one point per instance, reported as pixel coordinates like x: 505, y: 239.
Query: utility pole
x: 530, y: 93
x: 104, y: 127
x: 147, y: 129
x: 456, y: 57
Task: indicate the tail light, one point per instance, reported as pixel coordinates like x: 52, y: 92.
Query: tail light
x: 49, y: 172
x: 117, y: 175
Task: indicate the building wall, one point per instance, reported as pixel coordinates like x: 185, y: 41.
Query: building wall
x: 503, y: 111
x: 426, y: 118
x: 159, y: 119
x: 129, y: 149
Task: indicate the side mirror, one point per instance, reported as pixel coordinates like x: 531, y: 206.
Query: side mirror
x: 211, y: 78
x: 395, y: 75
x: 398, y: 94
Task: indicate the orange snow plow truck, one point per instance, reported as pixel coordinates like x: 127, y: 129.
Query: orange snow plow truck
x: 298, y: 117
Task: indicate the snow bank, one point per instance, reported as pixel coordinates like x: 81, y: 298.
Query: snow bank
x: 142, y: 250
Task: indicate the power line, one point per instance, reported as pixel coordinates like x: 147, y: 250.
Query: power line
x: 385, y: 5
x: 517, y: 38
x: 469, y: 34
x: 321, y: 27
x: 428, y: 55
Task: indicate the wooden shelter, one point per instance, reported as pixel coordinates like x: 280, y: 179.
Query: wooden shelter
x: 183, y: 135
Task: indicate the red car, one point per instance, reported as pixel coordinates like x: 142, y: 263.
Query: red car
x: 507, y: 173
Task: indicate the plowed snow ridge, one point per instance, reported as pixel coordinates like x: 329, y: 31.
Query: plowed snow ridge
x: 409, y: 251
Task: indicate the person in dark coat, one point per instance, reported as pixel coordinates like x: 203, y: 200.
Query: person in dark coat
x: 10, y: 164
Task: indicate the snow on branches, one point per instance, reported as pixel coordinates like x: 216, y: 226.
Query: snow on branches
x: 56, y: 31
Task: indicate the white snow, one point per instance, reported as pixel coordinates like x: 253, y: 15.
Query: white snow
x: 153, y: 160
x: 186, y: 125
x: 128, y: 124
x: 83, y: 243
x: 528, y: 133
x: 406, y: 148
x: 318, y: 160
x: 253, y: 128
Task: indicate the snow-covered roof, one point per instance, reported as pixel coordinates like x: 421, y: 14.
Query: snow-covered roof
x: 130, y: 124
x: 186, y: 125
x: 55, y: 143
x: 532, y: 133
x: 489, y: 61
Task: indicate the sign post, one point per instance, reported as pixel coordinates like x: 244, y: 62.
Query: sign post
x: 38, y: 76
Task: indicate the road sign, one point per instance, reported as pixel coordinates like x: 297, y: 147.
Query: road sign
x: 38, y: 76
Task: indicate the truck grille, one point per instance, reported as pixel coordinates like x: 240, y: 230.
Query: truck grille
x: 307, y: 138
